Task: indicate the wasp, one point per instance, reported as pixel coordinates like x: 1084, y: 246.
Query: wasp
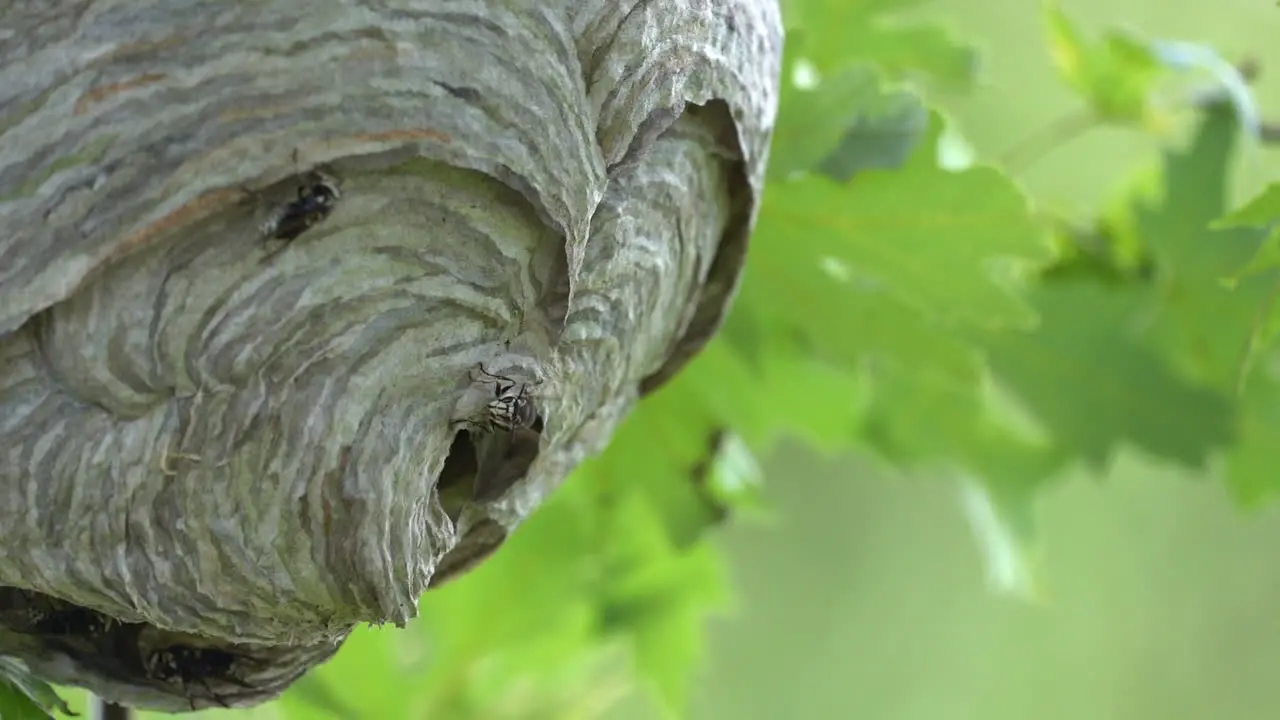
x: 316, y: 199
x: 512, y: 426
x: 30, y: 612
x: 185, y: 664
x: 512, y: 406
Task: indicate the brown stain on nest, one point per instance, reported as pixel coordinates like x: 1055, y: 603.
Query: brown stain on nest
x: 210, y: 202
x: 375, y: 50
x: 199, y: 208
x: 332, y: 479
x: 263, y: 110
x: 101, y: 92
x: 144, y: 47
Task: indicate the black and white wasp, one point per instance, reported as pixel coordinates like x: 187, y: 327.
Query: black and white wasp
x: 512, y: 406
x: 505, y: 437
x: 317, y: 197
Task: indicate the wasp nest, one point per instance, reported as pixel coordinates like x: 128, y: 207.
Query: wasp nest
x: 304, y: 309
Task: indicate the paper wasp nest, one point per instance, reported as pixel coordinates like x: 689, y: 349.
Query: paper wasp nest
x: 252, y: 262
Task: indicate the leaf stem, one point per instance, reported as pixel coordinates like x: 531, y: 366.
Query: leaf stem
x: 1049, y: 137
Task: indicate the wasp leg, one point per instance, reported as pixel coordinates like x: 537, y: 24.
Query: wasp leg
x: 467, y: 424
x: 502, y: 384
x: 485, y: 375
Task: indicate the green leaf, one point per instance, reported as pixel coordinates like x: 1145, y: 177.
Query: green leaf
x: 1213, y: 330
x: 656, y: 453
x: 926, y: 236
x: 848, y: 120
x: 17, y: 705
x: 313, y: 692
x: 833, y: 34
x: 734, y: 479
x: 1251, y: 462
x: 1116, y: 76
x: 1225, y: 313
x: 1261, y: 212
x: 1265, y: 260
x: 902, y: 397
x: 1001, y: 457
x: 659, y: 596
x: 882, y: 267
x: 1090, y: 383
x: 780, y: 391
x: 1103, y: 252
x: 812, y: 119
x: 518, y: 633
x: 26, y: 697
x: 882, y: 138
x: 369, y: 674
x: 785, y: 294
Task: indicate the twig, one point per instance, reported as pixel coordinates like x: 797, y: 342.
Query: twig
x: 1070, y: 126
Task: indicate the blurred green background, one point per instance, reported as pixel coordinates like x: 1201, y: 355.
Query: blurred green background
x: 865, y: 597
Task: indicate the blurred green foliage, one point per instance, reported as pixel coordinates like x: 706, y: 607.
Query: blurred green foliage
x: 922, y: 311
x: 1115, y: 77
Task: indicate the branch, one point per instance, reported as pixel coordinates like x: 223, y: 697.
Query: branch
x: 110, y: 711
